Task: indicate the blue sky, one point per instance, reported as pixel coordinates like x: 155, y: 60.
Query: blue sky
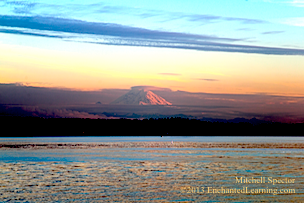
x: 251, y: 22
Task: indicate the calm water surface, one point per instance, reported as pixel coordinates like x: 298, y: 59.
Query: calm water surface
x: 151, y: 174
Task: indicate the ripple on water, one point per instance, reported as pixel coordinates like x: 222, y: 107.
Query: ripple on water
x: 147, y: 175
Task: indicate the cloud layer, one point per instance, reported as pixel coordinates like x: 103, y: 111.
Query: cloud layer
x: 115, y: 34
x: 185, y: 104
x: 209, y: 80
x: 59, y: 113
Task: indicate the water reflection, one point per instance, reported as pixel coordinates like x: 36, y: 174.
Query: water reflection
x: 148, y: 174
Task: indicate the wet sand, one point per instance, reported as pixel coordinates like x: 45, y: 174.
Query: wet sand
x: 162, y: 175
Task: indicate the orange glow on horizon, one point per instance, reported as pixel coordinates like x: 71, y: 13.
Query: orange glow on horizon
x: 87, y: 67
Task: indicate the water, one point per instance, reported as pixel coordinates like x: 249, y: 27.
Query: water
x: 151, y: 174
x: 137, y: 154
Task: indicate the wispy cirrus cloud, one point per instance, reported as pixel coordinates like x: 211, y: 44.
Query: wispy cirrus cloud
x: 215, y: 18
x: 207, y: 79
x: 272, y: 32
x: 20, y: 7
x: 245, y: 20
x: 245, y: 29
x: 299, y: 22
x: 115, y: 34
x: 52, y: 9
x: 297, y: 3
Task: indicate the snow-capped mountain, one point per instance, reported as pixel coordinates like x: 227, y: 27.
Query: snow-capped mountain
x: 141, y: 96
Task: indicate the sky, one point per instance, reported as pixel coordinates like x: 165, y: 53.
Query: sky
x: 252, y: 46
x: 199, y: 46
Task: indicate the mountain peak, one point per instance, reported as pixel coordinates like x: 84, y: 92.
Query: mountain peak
x: 141, y: 96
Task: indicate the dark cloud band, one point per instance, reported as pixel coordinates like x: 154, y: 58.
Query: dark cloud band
x: 114, y: 34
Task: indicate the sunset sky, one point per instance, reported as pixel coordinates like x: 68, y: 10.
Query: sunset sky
x: 237, y: 46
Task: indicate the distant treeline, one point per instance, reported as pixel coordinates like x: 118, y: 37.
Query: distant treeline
x: 36, y: 126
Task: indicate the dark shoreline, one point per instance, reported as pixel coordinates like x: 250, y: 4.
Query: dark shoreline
x: 55, y: 127
x: 18, y: 145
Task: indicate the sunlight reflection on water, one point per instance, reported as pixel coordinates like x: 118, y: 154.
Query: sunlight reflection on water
x: 146, y: 174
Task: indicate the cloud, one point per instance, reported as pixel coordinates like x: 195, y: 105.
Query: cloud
x: 10, y: 31
x: 294, y: 21
x: 21, y: 7
x: 115, y: 34
x: 151, y: 88
x: 19, y: 94
x: 59, y: 113
x: 297, y: 3
x: 101, y: 8
x: 50, y: 9
x: 245, y: 20
x: 106, y: 29
x: 214, y: 18
x: 209, y: 80
x: 272, y: 32
x: 36, y: 111
x: 216, y: 47
x: 197, y: 17
x: 49, y: 102
x: 245, y: 29
x: 206, y: 18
